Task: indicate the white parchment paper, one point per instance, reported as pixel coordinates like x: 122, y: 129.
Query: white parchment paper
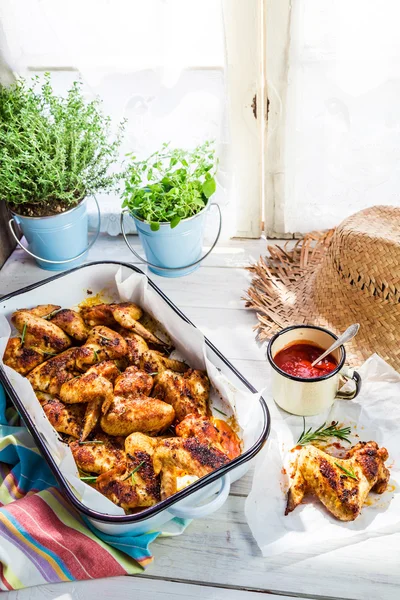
x: 190, y: 346
x: 373, y: 415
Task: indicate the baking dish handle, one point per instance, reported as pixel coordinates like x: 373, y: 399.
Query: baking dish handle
x: 196, y: 512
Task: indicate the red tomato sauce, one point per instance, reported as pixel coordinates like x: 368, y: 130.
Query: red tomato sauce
x: 296, y: 360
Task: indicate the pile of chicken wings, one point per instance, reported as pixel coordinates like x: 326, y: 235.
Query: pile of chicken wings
x: 138, y: 422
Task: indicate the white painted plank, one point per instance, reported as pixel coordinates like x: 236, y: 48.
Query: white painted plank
x: 134, y: 587
x: 221, y: 550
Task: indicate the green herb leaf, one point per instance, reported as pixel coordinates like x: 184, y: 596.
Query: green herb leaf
x: 154, y: 226
x: 90, y: 479
x: 220, y: 411
x: 135, y: 470
x: 23, y: 334
x: 96, y: 355
x: 322, y: 433
x: 104, y: 337
x: 209, y: 187
x: 348, y: 473
x: 175, y: 221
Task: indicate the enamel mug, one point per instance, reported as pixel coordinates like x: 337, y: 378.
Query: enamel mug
x: 307, y: 397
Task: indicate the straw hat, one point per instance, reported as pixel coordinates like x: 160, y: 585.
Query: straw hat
x: 350, y: 274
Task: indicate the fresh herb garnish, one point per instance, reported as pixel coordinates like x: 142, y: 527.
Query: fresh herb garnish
x: 23, y: 334
x: 323, y: 432
x: 156, y: 373
x: 96, y: 355
x: 132, y: 473
x: 90, y: 479
x: 220, y: 411
x: 90, y: 442
x: 104, y: 337
x: 348, y: 473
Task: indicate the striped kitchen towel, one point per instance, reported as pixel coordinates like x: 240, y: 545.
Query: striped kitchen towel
x: 42, y: 538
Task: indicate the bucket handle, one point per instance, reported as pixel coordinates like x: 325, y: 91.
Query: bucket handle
x: 58, y: 262
x: 196, y: 262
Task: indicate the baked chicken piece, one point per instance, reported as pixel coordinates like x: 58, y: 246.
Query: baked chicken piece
x: 182, y: 460
x: 102, y: 344
x: 133, y: 485
x: 95, y: 389
x: 65, y: 419
x: 133, y: 382
x: 71, y: 323
x: 96, y: 457
x: 341, y: 484
x: 137, y: 413
x: 39, y: 333
x: 151, y: 361
x: 187, y: 393
x: 42, y: 310
x: 20, y: 358
x: 210, y: 431
x: 125, y: 314
x: 50, y: 375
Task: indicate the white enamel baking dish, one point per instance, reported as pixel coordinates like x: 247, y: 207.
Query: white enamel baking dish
x: 199, y: 499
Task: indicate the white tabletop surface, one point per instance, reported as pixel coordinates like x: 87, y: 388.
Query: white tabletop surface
x: 217, y: 557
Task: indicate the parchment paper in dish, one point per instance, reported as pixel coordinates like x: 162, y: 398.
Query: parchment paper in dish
x: 373, y: 415
x: 190, y: 346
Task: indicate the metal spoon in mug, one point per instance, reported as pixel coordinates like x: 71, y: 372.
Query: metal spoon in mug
x: 345, y: 337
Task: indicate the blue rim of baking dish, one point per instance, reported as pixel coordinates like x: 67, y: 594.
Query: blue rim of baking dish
x: 168, y: 502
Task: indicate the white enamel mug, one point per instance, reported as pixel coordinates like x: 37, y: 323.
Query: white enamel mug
x: 307, y: 397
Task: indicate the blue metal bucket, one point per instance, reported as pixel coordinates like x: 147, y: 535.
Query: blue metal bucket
x: 59, y: 242
x: 173, y: 252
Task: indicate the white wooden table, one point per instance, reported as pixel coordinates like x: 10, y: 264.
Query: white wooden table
x: 217, y: 557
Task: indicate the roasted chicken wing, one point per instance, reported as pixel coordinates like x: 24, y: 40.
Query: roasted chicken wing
x: 39, y: 333
x: 342, y: 485
x: 102, y: 344
x: 215, y: 432
x: 20, y: 358
x: 95, y: 389
x: 100, y: 455
x: 138, y: 413
x: 135, y: 484
x: 180, y: 460
x: 65, y: 419
x: 50, y: 375
x: 71, y: 323
x: 133, y: 382
x: 151, y: 361
x: 187, y: 393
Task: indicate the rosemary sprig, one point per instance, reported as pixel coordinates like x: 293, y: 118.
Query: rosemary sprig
x: 90, y: 479
x: 96, y: 355
x: 152, y: 374
x: 90, y: 442
x: 322, y: 432
x: 23, y: 334
x: 132, y: 473
x: 104, y: 337
x: 220, y: 411
x: 348, y: 473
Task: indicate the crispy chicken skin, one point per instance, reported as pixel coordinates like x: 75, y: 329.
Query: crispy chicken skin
x: 216, y: 432
x: 50, y: 375
x: 188, y: 394
x: 151, y: 361
x: 135, y: 484
x: 94, y: 388
x: 125, y: 314
x: 317, y: 473
x: 71, y: 323
x: 42, y: 310
x: 65, y: 419
x: 20, y: 358
x: 40, y: 333
x: 99, y: 458
x: 179, y: 457
x: 133, y: 382
x: 102, y: 344
x: 137, y: 413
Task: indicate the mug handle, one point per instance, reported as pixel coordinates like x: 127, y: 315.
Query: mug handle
x: 350, y: 375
